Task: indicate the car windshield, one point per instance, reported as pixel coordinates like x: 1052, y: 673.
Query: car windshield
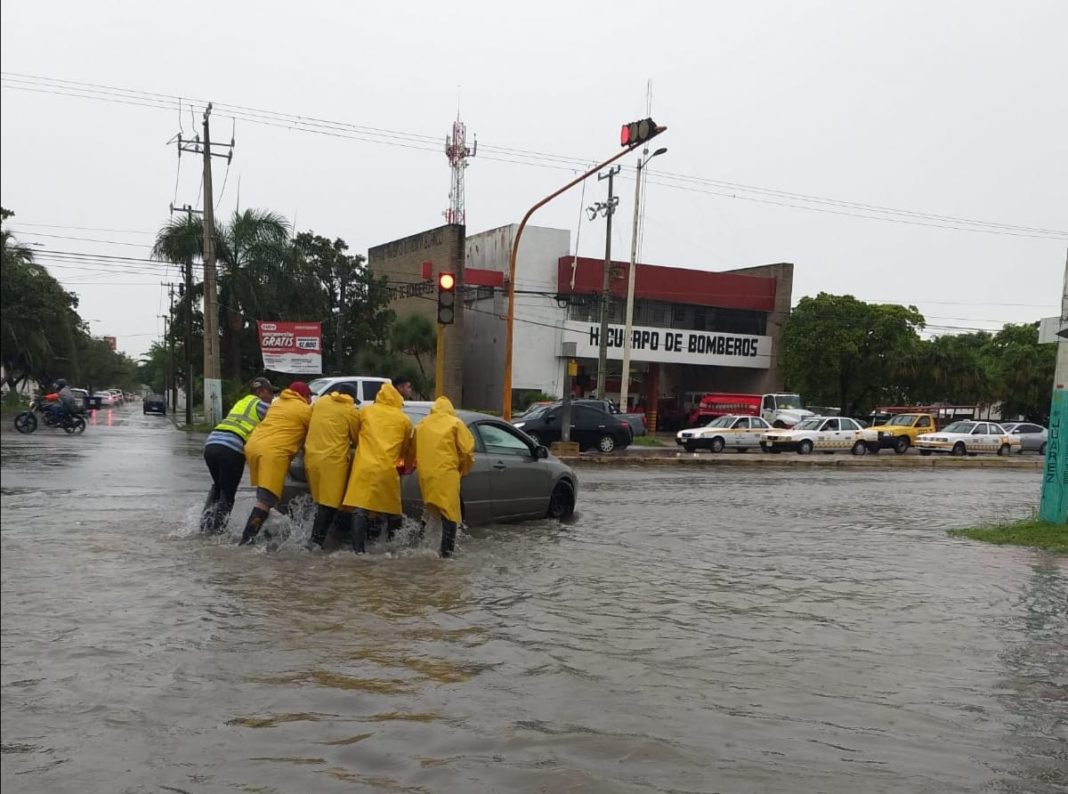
x: 960, y: 427
x: 535, y: 413
x: 787, y: 401
x: 903, y: 420
x: 721, y: 421
x: 809, y: 424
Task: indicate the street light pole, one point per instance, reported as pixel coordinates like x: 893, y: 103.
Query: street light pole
x: 624, y: 387
x: 609, y: 209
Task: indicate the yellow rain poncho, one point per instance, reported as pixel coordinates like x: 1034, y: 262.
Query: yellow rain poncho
x: 276, y: 440
x: 385, y: 439
x: 444, y: 452
x: 335, y: 425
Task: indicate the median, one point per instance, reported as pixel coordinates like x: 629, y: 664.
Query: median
x: 1030, y: 532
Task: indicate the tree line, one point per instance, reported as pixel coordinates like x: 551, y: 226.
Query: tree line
x: 265, y: 273
x: 841, y: 351
x: 42, y: 336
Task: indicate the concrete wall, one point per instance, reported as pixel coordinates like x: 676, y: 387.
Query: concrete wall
x: 783, y: 273
x: 537, y: 330
x: 401, y: 261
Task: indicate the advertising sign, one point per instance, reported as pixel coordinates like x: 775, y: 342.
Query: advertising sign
x: 292, y: 347
x: 671, y: 346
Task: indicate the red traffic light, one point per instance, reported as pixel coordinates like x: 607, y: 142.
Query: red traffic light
x: 446, y: 281
x: 637, y: 132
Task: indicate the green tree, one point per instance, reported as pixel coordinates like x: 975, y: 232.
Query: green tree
x: 839, y: 350
x: 1021, y: 371
x: 416, y: 337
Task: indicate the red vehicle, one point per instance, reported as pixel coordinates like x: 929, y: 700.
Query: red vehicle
x: 716, y: 404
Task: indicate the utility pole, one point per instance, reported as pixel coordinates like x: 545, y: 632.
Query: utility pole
x: 187, y: 294
x: 1054, y: 506
x: 212, y: 375
x: 170, y: 344
x: 608, y: 208
x: 168, y: 370
x: 632, y: 271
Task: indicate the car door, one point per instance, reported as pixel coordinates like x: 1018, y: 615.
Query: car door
x: 827, y: 435
x: 587, y: 424
x: 757, y: 428
x: 979, y: 440
x: 520, y: 482
x: 739, y: 435
x: 847, y: 431
x: 476, y: 489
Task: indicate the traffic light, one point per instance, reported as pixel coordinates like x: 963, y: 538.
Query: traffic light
x: 446, y: 298
x: 638, y: 132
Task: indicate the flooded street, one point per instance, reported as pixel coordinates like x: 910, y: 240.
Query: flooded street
x: 692, y: 630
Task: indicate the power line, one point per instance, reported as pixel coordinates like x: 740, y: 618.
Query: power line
x: 718, y: 188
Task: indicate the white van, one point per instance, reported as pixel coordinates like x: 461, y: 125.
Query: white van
x: 366, y: 386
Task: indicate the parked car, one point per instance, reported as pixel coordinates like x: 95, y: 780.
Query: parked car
x: 154, y: 404
x: 117, y: 394
x: 592, y: 427
x: 735, y: 432
x: 366, y: 386
x: 1032, y: 437
x: 83, y: 399
x: 635, y: 420
x: 817, y: 434
x: 968, y: 438
x: 514, y: 478
x: 899, y: 432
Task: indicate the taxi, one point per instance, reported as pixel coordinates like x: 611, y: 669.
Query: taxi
x: 969, y: 438
x: 817, y: 434
x: 731, y: 431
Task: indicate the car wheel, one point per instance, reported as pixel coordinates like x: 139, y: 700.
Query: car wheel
x: 25, y: 422
x: 606, y: 443
x: 860, y: 448
x: 959, y: 450
x: 1005, y: 450
x: 926, y: 452
x: 717, y: 444
x: 805, y: 447
x: 691, y: 447
x: 901, y: 445
x: 562, y: 502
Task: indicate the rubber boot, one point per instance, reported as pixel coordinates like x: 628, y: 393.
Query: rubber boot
x: 393, y: 523
x: 211, y: 507
x: 359, y: 532
x: 448, y: 537
x: 252, y: 527
x: 222, y: 515
x: 324, y: 516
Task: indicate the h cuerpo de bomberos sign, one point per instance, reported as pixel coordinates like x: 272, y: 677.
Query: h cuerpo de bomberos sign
x: 672, y: 346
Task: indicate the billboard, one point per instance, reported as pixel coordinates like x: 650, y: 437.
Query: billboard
x: 291, y: 347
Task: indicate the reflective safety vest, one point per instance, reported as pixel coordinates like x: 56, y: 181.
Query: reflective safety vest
x: 243, y: 418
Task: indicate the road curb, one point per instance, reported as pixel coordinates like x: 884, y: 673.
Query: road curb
x: 808, y: 461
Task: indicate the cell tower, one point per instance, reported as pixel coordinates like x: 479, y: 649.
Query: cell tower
x: 457, y: 151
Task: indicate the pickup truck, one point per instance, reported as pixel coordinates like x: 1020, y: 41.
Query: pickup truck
x: 899, y: 433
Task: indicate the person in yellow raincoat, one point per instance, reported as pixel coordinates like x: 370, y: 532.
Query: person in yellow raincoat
x: 385, y: 440
x: 334, y: 428
x: 271, y: 447
x: 444, y: 452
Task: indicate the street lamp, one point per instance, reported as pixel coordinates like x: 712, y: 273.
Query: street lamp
x: 624, y: 386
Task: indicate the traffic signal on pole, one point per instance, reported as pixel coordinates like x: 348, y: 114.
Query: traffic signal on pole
x: 446, y: 298
x: 638, y: 132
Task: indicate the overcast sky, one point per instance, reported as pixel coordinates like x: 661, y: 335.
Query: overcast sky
x: 953, y: 109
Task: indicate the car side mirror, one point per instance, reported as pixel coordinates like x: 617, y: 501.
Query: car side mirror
x: 540, y: 452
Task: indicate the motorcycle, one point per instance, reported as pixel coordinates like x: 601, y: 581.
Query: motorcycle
x: 26, y: 421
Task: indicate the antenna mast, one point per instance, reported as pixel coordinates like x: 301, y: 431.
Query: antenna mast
x: 457, y: 151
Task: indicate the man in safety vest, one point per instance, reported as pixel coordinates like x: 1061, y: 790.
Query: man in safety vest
x: 334, y: 428
x: 271, y: 448
x: 444, y: 452
x: 385, y: 440
x: 224, y: 452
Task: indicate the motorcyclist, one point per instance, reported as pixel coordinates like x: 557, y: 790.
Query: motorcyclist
x: 66, y: 403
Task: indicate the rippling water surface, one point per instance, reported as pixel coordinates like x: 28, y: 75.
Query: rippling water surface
x: 691, y: 630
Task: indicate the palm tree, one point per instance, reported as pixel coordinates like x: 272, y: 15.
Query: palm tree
x: 251, y: 252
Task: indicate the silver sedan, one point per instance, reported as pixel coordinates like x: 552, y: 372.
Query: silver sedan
x: 1032, y: 437
x: 513, y: 479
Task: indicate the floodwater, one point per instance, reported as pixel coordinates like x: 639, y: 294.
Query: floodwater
x: 691, y: 630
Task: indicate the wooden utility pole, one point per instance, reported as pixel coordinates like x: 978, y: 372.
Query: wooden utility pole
x: 170, y: 345
x: 212, y: 374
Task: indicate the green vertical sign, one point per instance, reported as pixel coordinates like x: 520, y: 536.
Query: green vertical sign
x: 1055, y: 474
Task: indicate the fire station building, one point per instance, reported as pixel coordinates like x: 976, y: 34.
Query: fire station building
x: 693, y: 331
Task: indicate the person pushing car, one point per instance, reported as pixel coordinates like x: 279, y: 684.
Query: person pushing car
x: 385, y: 440
x: 224, y: 452
x: 444, y: 453
x: 271, y: 447
x: 334, y: 426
